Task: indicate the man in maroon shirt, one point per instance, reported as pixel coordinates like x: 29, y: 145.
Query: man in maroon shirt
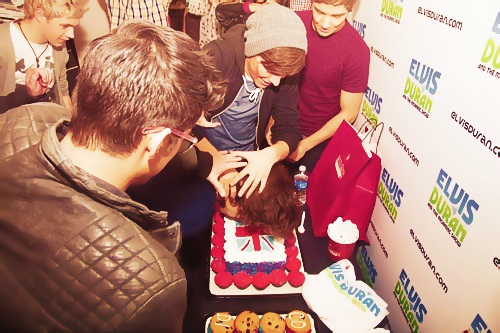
x: 334, y: 79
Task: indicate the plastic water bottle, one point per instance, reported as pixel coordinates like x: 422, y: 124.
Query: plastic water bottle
x: 301, y: 179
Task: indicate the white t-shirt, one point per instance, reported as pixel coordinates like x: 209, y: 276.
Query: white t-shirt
x: 25, y: 57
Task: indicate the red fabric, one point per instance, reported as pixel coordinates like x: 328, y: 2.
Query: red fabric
x: 338, y: 62
x: 352, y: 194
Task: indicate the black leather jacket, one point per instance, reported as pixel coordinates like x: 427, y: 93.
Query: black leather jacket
x: 73, y: 255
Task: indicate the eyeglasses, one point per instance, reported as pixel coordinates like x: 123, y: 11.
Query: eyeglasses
x: 188, y: 141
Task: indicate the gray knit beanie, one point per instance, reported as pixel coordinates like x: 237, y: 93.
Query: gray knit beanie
x: 274, y: 26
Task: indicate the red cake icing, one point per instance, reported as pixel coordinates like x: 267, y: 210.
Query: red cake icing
x: 218, y: 228
x: 223, y: 279
x: 218, y: 265
x: 278, y: 277
x: 218, y: 240
x: 217, y: 252
x: 242, y: 280
x: 292, y: 251
x: 290, y: 241
x: 261, y: 280
x: 296, y: 278
x: 293, y: 264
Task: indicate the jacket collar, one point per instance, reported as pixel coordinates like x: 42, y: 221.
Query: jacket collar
x: 58, y: 163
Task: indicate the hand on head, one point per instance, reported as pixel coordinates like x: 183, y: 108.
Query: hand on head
x: 258, y: 168
x: 222, y: 162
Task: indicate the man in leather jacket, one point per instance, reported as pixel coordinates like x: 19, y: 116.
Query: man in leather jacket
x: 76, y: 253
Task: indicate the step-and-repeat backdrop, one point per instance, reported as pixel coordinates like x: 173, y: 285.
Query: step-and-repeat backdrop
x: 435, y: 233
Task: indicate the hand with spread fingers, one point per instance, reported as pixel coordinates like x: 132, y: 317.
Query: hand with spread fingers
x: 258, y: 168
x: 223, y: 161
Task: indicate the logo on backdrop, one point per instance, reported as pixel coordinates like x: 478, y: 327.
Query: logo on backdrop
x: 360, y: 28
x: 392, y: 10
x: 440, y: 18
x: 382, y: 57
x: 477, y: 325
x: 421, y: 84
x: 411, y: 304
x: 478, y: 136
x: 379, y: 240
x: 429, y: 261
x: 366, y: 266
x: 453, y: 207
x: 496, y: 262
x: 371, y: 106
x: 403, y: 145
x: 490, y: 61
x: 390, y: 194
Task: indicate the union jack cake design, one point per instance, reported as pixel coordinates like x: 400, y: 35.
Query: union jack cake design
x: 251, y: 250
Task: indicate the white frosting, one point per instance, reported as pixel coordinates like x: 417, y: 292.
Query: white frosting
x: 343, y: 232
x: 233, y: 246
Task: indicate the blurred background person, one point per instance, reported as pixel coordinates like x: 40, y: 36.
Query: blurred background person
x: 33, y: 56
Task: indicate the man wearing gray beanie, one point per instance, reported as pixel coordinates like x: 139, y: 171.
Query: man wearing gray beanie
x: 261, y: 62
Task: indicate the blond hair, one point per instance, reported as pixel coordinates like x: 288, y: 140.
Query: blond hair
x: 55, y: 8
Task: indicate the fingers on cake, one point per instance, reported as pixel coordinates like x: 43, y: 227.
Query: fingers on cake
x: 249, y: 322
x: 247, y: 255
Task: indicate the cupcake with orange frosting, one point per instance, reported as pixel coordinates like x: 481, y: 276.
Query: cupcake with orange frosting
x: 297, y: 321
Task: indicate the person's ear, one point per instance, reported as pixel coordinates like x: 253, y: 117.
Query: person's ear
x: 40, y: 15
x: 155, y: 140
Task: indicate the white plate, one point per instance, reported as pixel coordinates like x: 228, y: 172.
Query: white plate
x: 232, y: 290
x: 313, y: 329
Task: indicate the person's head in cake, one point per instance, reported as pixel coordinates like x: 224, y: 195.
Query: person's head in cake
x: 276, y: 208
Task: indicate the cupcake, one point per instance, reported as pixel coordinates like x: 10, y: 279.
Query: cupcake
x: 296, y: 278
x: 222, y: 322
x: 272, y: 322
x: 223, y: 279
x: 278, y: 277
x: 247, y: 322
x: 297, y: 321
x: 242, y: 280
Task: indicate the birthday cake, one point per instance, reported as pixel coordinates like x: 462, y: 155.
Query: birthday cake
x: 250, y: 250
x: 248, y: 256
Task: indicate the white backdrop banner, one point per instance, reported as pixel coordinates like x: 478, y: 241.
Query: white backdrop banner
x: 435, y: 83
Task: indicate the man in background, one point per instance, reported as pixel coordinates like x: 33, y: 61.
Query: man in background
x: 333, y: 80
x: 33, y: 56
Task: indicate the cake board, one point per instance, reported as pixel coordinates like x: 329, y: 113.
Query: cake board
x: 232, y: 290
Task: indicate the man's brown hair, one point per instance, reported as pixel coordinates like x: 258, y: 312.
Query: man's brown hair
x: 277, y: 209
x: 349, y: 4
x: 141, y: 75
x: 284, y: 61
